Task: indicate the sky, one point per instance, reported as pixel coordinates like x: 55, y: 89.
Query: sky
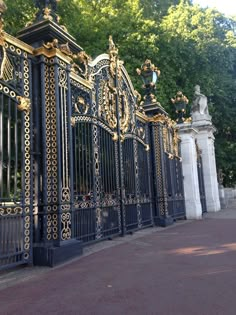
x: 225, y: 6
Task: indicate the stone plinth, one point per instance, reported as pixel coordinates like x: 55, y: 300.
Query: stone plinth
x: 189, y: 164
x: 223, y: 200
x: 205, y: 139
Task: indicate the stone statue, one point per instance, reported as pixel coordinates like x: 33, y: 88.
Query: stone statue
x: 199, y: 104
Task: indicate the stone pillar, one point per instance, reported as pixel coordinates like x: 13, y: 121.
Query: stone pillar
x: 189, y: 164
x: 205, y: 139
x: 201, y: 120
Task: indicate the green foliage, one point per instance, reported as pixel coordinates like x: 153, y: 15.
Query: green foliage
x: 157, y: 8
x: 201, y: 50
x: 18, y: 14
x: 189, y: 44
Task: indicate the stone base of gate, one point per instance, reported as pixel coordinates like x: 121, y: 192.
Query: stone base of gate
x: 54, y: 255
x: 164, y: 221
x: 189, y: 163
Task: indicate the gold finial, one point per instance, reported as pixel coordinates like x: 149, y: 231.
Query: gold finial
x: 47, y: 10
x: 113, y: 54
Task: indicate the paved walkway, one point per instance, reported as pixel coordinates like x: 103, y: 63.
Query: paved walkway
x: 187, y: 269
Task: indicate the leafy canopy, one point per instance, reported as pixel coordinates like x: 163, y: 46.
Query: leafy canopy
x: 189, y: 44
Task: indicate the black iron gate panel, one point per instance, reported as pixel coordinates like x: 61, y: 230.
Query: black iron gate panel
x: 175, y: 190
x: 167, y: 168
x: 137, y: 201
x: 176, y: 204
x: 15, y: 153
x: 111, y: 158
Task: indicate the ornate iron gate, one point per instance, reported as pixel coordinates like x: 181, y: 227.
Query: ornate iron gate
x: 15, y: 153
x: 111, y: 154
x: 87, y: 163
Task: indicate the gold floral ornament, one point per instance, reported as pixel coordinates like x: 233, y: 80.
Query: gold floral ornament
x: 47, y: 10
x: 47, y: 14
x: 24, y: 104
x: 81, y: 106
x: 180, y: 101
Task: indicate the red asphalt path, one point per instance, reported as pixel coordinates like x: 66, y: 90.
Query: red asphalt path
x: 186, y: 270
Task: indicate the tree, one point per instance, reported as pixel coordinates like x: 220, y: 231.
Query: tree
x: 157, y: 8
x: 189, y: 44
x: 18, y: 14
x: 201, y: 49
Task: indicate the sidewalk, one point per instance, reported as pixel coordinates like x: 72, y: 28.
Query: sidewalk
x: 188, y: 268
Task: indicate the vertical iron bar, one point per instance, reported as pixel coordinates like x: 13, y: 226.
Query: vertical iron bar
x: 8, y: 147
x: 120, y: 162
x: 89, y: 157
x: 77, y: 158
x: 16, y: 151
x: 1, y: 146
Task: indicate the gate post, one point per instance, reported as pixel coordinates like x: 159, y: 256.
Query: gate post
x: 205, y: 140
x: 53, y: 56
x: 189, y: 163
x: 201, y: 120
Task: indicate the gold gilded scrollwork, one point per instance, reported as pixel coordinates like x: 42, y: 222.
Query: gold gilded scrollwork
x: 81, y: 106
x: 147, y: 148
x: 80, y: 64
x: 165, y: 138
x: 66, y: 230
x: 24, y: 104
x: 108, y: 109
x: 115, y: 136
x: 122, y: 138
x: 176, y: 143
x: 141, y: 132
x: 50, y: 45
x: 113, y: 54
x: 72, y: 121
x: 125, y: 113
x: 6, y: 68
x: 109, y: 105
x: 10, y: 211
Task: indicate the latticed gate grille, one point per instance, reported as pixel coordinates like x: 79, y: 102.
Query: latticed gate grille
x: 15, y: 157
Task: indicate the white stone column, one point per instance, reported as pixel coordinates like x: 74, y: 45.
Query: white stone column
x: 205, y: 139
x: 189, y: 163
